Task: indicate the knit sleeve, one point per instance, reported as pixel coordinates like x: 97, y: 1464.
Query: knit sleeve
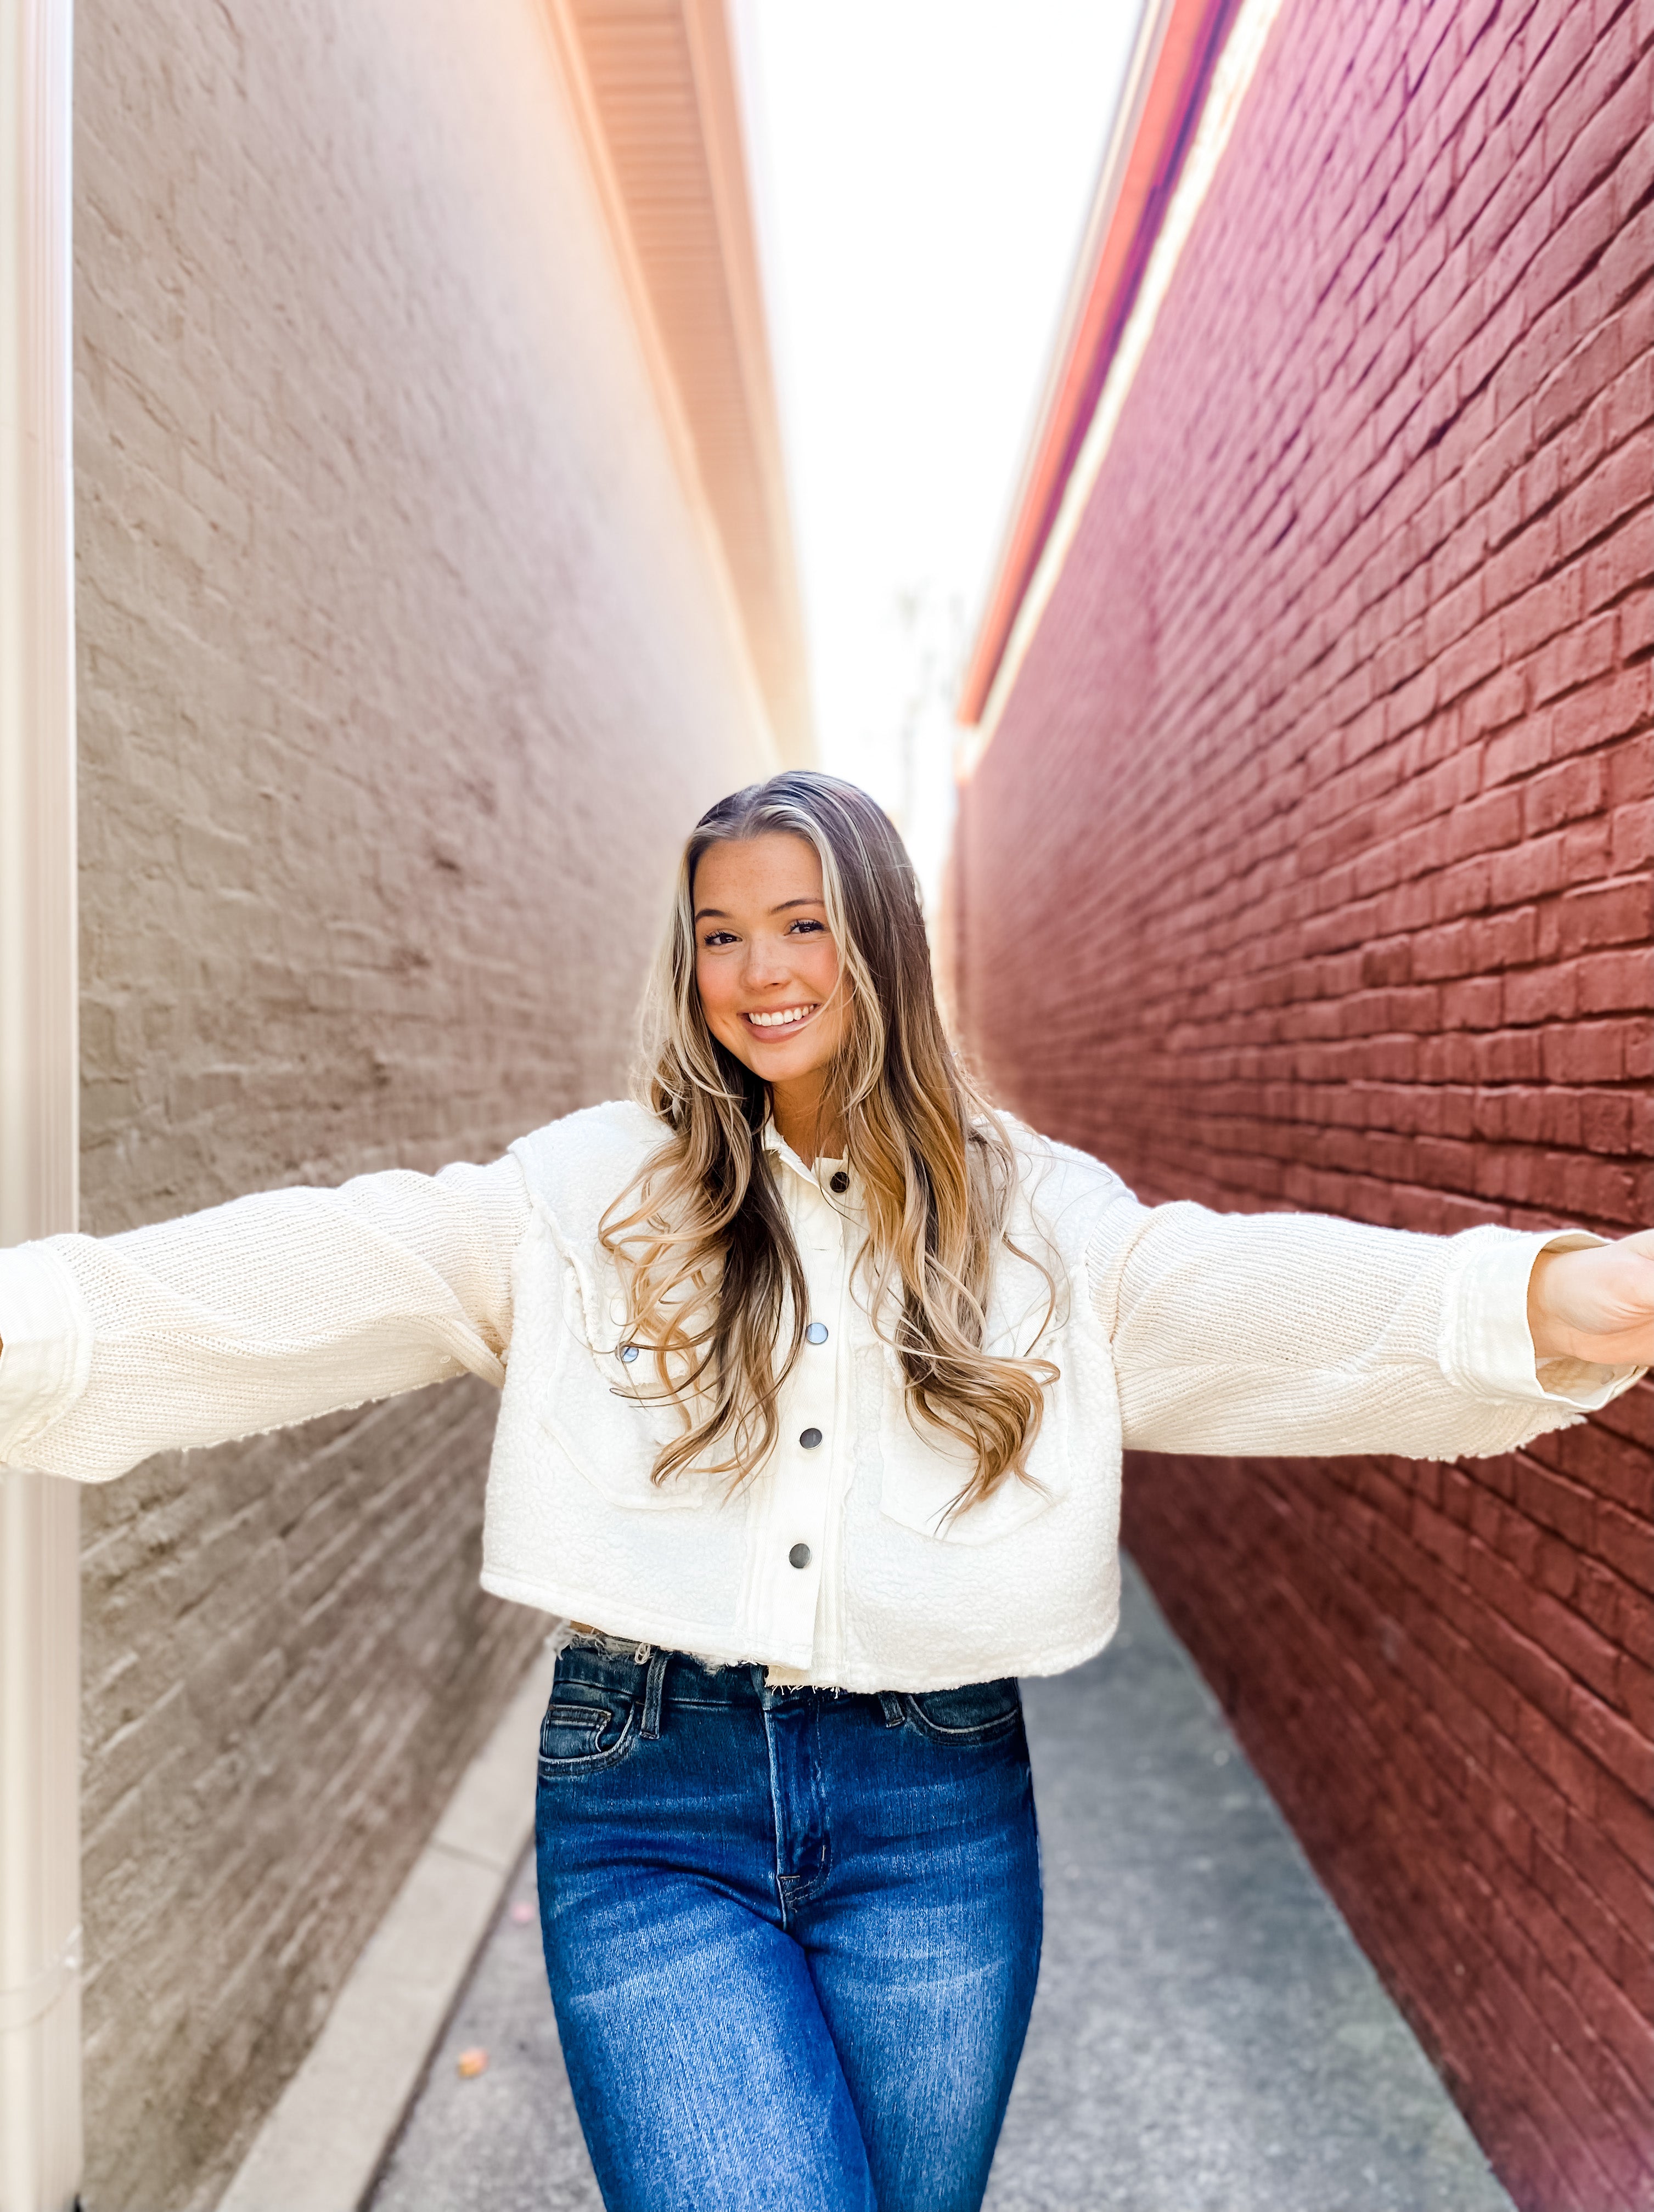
x: 250, y: 1315
x: 1296, y: 1334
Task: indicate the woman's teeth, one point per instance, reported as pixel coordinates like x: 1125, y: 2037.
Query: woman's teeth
x: 783, y: 1017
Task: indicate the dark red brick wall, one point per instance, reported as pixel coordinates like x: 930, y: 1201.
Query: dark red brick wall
x: 1308, y: 868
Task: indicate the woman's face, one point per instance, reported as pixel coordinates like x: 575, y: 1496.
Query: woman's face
x: 765, y: 961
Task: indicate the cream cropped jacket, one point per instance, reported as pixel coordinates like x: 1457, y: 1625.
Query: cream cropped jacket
x: 1176, y: 1329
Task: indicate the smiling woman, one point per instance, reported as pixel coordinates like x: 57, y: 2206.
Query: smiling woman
x: 795, y: 993
x: 817, y: 1379
x: 767, y: 970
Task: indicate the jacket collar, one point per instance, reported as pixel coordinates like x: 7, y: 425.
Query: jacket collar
x: 816, y: 1176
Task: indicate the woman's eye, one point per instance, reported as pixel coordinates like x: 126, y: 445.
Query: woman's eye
x: 807, y: 927
x: 716, y: 937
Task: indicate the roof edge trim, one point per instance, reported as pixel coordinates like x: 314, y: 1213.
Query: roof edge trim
x: 1194, y: 63
x: 695, y: 292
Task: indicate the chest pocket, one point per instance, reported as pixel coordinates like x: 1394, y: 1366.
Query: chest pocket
x: 604, y: 1411
x: 923, y: 1470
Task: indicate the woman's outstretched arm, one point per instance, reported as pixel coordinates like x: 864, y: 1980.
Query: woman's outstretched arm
x: 1297, y: 1333
x: 253, y: 1315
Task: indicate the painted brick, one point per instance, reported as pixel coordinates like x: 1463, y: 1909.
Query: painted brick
x: 402, y: 668
x: 1345, y: 839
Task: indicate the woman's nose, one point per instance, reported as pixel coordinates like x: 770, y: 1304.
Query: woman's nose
x: 764, y: 963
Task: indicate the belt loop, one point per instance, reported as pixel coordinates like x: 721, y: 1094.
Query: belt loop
x: 892, y: 1703
x: 652, y: 1690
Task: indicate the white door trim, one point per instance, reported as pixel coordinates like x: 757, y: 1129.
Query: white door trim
x: 40, y: 1587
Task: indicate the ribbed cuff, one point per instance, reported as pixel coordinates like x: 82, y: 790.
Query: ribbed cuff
x: 46, y: 1345
x: 1485, y: 1344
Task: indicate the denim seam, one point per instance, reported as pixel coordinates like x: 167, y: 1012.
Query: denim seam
x: 654, y: 1689
x: 985, y: 1732
x: 806, y: 1892
x: 777, y: 1821
x: 990, y: 1732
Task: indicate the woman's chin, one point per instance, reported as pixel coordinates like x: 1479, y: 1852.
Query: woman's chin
x: 789, y: 1059
x: 783, y: 1064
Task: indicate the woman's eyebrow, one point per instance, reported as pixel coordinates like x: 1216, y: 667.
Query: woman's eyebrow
x: 717, y: 913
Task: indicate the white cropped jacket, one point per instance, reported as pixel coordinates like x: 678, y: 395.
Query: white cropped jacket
x: 1176, y: 1329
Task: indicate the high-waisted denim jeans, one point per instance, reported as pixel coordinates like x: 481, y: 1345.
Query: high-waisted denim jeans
x: 792, y: 1935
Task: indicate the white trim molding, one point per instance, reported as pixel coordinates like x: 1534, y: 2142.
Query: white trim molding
x: 40, y: 1587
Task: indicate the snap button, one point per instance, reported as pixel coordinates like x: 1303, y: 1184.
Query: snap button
x: 628, y: 1353
x: 839, y: 1182
x: 817, y: 1333
x: 810, y: 1439
x: 799, y: 1556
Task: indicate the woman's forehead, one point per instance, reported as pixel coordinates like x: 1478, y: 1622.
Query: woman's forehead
x: 760, y: 874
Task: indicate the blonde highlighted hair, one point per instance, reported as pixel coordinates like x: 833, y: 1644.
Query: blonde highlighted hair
x: 714, y: 1281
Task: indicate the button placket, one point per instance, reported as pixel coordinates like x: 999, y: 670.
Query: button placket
x: 838, y: 1471
x: 791, y: 1608
x: 791, y: 1577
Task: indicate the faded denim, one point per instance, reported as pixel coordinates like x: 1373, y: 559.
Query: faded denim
x: 792, y: 1935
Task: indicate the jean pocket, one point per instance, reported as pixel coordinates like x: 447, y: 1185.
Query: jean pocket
x: 583, y: 1730
x: 977, y: 1712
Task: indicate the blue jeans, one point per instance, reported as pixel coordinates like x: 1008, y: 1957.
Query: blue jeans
x: 792, y: 1935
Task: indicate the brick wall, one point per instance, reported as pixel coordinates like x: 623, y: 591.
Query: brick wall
x: 401, y: 673
x: 1308, y: 868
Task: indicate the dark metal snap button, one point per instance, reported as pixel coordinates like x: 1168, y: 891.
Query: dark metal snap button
x: 799, y: 1556
x: 810, y: 1439
x: 817, y: 1333
x: 839, y: 1182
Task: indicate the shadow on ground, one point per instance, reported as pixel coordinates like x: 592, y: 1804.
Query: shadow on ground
x: 1206, y: 2036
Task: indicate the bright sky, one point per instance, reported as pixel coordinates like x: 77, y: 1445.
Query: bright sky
x: 921, y: 171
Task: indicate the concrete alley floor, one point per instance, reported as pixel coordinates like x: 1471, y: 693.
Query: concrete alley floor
x: 1207, y: 2037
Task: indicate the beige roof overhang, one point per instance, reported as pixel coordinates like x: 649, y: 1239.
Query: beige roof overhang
x: 654, y: 83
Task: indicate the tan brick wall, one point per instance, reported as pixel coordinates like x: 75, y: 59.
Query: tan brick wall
x: 402, y: 669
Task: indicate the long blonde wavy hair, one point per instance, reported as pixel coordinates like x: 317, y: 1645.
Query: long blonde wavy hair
x: 713, y: 1282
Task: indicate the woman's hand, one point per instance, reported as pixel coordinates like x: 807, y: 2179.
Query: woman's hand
x: 1596, y: 1303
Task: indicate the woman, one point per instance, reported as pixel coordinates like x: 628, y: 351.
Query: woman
x: 816, y: 1376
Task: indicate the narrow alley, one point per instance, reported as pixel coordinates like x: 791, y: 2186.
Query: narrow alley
x: 1207, y: 2038
x: 1174, y: 478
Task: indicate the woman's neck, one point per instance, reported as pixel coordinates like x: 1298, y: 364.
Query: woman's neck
x: 801, y: 1116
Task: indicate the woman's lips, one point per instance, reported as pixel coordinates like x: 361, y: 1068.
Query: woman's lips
x: 771, y: 1028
